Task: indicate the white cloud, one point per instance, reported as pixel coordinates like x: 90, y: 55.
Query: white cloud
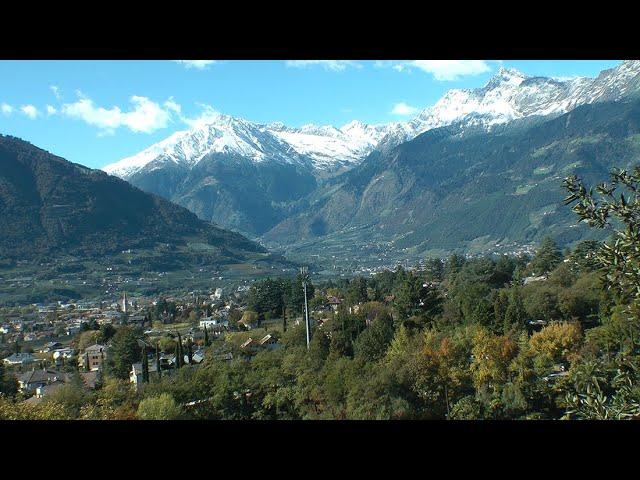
x: 442, y: 70
x: 51, y: 110
x: 172, y: 105
x: 145, y: 115
x: 6, y: 109
x: 447, y: 70
x: 197, y: 64
x: 207, y: 115
x: 56, y: 91
x: 403, y: 109
x: 30, y: 111
x: 331, y: 65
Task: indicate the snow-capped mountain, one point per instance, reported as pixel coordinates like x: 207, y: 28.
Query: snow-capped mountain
x: 509, y: 95
x: 317, y: 147
x: 251, y: 176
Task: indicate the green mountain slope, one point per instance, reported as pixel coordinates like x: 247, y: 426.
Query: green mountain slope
x: 49, y: 206
x: 449, y: 189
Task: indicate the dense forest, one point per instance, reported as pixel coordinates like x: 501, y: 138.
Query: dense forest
x: 554, y: 336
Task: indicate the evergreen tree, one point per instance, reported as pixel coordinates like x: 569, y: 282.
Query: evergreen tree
x: 284, y: 318
x: 180, y: 355
x: 124, y: 352
x: 206, y: 337
x: 546, y: 258
x: 145, y: 365
x: 158, y: 360
x: 189, y: 351
x: 515, y: 316
x: 453, y: 265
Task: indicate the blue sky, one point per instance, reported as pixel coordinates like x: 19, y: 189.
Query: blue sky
x: 97, y: 112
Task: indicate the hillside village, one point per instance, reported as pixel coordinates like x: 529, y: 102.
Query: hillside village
x: 141, y: 343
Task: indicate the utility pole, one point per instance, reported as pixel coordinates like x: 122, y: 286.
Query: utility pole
x: 304, y: 273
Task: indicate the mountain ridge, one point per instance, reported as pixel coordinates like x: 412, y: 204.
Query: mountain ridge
x: 508, y: 95
x: 49, y: 205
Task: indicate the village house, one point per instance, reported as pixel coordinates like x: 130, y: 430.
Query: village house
x: 19, y: 359
x: 92, y: 358
x: 36, y: 378
x: 60, y: 353
x: 135, y: 375
x: 268, y: 341
x: 334, y: 302
x: 49, y: 346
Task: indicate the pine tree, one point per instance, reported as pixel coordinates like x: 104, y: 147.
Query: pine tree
x: 145, y: 365
x: 180, y: 358
x: 515, y: 315
x: 158, y: 360
x: 547, y: 257
x: 284, y: 319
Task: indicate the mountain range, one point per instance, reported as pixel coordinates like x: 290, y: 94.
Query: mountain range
x: 390, y: 182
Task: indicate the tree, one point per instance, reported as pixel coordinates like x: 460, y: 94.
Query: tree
x: 294, y: 294
x: 413, y: 297
x: 546, y: 258
x: 145, y: 365
x: 8, y: 383
x: 453, y: 265
x: 124, y: 351
x: 558, y: 341
x: 189, y: 351
x: 162, y: 407
x: 515, y: 315
x: 158, y: 367
x: 584, y: 257
x: 284, y: 318
x: 357, y: 291
x: 373, y: 342
x: 179, y: 354
x: 620, y: 256
x: 206, y: 337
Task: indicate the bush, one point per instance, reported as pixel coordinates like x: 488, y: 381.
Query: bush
x: 162, y: 407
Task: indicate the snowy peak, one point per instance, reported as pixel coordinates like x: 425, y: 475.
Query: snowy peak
x: 508, y: 95
x: 511, y: 94
x: 320, y: 147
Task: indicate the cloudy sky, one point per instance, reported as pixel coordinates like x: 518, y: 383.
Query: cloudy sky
x: 96, y: 112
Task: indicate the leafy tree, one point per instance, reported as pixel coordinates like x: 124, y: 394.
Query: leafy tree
x: 558, y: 341
x: 619, y: 199
x: 8, y: 383
x: 413, y: 297
x: 162, y: 407
x: 373, y: 342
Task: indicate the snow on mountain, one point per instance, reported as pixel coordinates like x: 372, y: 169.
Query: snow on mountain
x: 511, y: 95
x: 507, y: 96
x: 323, y: 147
